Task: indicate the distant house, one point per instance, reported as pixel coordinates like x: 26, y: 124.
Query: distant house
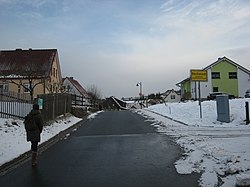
x: 30, y: 71
x: 171, y: 96
x: 72, y: 86
x: 113, y: 103
x: 224, y: 75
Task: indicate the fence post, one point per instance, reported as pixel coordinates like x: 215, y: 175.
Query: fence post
x: 247, y: 113
x: 54, y: 100
x: 65, y: 103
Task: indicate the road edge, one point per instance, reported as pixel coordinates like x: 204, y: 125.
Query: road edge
x: 8, y: 166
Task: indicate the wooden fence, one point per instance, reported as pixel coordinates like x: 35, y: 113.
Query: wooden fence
x: 14, y: 105
x: 79, y: 101
x: 55, y: 105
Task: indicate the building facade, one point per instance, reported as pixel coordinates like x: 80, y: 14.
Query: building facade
x: 171, y: 96
x: 224, y: 75
x: 72, y: 86
x: 25, y: 71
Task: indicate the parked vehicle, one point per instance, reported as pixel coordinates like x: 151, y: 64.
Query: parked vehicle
x: 213, y: 95
x: 247, y: 94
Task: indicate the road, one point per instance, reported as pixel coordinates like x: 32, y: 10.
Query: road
x: 117, y: 148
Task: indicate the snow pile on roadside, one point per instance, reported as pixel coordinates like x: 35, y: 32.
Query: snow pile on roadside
x: 92, y: 116
x: 219, y: 151
x: 13, y: 136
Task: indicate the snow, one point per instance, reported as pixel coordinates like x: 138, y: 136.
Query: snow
x: 219, y: 151
x: 13, y: 136
x: 92, y: 116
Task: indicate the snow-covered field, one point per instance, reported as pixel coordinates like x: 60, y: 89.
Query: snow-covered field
x: 13, y: 136
x: 219, y: 151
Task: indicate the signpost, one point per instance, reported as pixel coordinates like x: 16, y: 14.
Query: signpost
x: 40, y: 103
x: 199, y: 75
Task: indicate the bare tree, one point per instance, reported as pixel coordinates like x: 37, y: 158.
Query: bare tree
x: 28, y: 76
x: 95, y: 95
x: 67, y: 89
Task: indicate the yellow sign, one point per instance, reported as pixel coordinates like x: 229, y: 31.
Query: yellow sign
x: 198, y: 75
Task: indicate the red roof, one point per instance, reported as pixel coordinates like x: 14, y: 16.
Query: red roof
x: 19, y: 62
x: 78, y: 86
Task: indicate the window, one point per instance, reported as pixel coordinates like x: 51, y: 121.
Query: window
x: 232, y: 75
x: 4, y: 88
x: 215, y: 75
x: 172, y: 96
x: 54, y: 72
x: 27, y: 87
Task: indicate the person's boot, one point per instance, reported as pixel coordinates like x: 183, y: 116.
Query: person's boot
x: 34, y: 158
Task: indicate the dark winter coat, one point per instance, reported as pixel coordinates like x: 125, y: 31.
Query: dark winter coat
x: 34, y: 135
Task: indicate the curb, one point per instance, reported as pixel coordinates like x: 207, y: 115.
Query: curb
x: 167, y: 117
x: 8, y: 166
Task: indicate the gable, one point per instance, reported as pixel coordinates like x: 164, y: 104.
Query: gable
x: 227, y: 63
x: 55, y: 70
x: 224, y: 65
x: 169, y: 92
x: 76, y: 85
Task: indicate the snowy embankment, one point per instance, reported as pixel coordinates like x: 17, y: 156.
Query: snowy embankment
x: 219, y: 151
x: 13, y: 136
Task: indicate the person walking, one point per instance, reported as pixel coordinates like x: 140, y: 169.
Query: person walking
x: 34, y: 125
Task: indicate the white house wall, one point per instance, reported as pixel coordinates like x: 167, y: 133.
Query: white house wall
x: 206, y: 87
x: 243, y: 82
x: 194, y: 90
x: 176, y: 100
x: 72, y: 90
x: 169, y: 100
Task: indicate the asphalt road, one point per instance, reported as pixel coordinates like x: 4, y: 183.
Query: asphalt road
x: 117, y: 148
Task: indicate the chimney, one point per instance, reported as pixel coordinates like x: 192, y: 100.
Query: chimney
x: 18, y: 49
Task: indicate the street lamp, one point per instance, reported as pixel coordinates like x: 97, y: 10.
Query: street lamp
x: 140, y: 84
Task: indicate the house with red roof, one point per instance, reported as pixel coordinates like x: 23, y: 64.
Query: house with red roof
x: 32, y: 71
x: 73, y: 87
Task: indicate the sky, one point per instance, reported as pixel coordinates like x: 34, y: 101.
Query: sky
x: 114, y: 44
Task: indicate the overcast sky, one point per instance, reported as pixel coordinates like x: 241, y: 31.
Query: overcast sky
x: 114, y: 44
